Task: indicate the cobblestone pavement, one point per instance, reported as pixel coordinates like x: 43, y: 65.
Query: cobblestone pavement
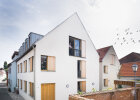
x: 5, y: 95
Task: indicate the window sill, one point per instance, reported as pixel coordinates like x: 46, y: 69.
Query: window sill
x: 47, y: 71
x: 81, y: 78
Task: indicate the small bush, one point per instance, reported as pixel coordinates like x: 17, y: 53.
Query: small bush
x: 80, y: 93
x: 93, y: 90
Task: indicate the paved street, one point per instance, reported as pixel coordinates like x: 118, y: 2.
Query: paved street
x: 4, y: 92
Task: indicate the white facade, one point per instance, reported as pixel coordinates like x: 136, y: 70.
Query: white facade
x: 2, y: 75
x: 112, y: 69
x: 56, y: 43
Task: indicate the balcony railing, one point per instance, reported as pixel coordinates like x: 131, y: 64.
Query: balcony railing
x: 74, y: 52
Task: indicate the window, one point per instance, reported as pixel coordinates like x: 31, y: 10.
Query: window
x: 26, y: 46
x: 81, y: 69
x: 20, y: 84
x: 18, y: 68
x: 48, y: 63
x: 21, y: 67
x: 74, y: 47
x: 77, y: 47
x: 81, y: 86
x: 31, y: 64
x: 25, y: 86
x: 31, y: 89
x: 43, y: 62
x: 106, y: 69
x: 105, y: 82
x: 9, y: 70
x: 25, y: 66
x: 112, y: 59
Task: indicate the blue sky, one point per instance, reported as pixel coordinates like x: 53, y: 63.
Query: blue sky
x: 103, y: 19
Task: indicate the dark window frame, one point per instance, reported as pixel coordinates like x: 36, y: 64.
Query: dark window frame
x: 72, y: 49
x: 45, y: 64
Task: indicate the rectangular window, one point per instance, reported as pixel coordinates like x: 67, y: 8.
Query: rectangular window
x: 48, y: 63
x: 25, y: 86
x: 26, y: 45
x: 105, y: 82
x: 77, y: 47
x: 20, y: 84
x: 31, y: 64
x: 18, y: 68
x: 106, y: 69
x: 112, y: 59
x: 25, y: 66
x: 81, y: 69
x: 21, y: 67
x: 43, y: 62
x: 74, y: 47
x: 81, y: 86
x: 31, y: 89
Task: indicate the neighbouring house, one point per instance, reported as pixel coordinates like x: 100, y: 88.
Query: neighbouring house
x: 2, y: 75
x: 109, y: 67
x: 62, y: 62
x: 126, y: 72
x: 12, y: 73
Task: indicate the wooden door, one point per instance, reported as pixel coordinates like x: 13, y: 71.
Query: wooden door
x: 48, y: 91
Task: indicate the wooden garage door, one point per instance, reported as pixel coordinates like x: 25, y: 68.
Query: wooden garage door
x: 48, y: 91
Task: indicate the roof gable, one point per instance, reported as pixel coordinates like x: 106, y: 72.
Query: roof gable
x: 132, y: 57
x: 102, y: 52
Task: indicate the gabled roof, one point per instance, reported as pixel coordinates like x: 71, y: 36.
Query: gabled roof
x: 126, y: 69
x: 15, y: 53
x: 132, y: 57
x: 102, y: 52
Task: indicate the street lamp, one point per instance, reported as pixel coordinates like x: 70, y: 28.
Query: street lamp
x: 135, y: 68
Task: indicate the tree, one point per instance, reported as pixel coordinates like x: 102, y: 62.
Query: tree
x: 5, y: 65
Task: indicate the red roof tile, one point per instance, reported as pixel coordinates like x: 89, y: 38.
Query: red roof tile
x: 132, y: 57
x: 126, y: 69
x: 102, y: 52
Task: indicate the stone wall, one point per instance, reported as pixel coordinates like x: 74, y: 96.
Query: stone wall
x: 119, y: 94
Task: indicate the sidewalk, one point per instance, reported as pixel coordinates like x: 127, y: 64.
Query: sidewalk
x: 5, y: 95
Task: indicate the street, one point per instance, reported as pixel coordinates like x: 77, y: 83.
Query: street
x: 4, y: 92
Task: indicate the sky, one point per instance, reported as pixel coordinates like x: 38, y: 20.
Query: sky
x: 106, y: 21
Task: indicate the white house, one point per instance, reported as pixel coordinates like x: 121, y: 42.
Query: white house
x: 2, y: 75
x: 12, y: 73
x: 63, y: 62
x: 109, y: 67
